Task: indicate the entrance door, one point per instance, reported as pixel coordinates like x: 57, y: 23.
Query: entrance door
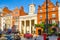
x: 39, y: 32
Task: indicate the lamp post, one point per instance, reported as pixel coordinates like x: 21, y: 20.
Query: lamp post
x: 47, y: 16
x: 47, y: 19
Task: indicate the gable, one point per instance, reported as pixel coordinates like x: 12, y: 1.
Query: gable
x: 50, y: 5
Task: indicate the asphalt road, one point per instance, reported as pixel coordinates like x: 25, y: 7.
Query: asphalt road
x: 50, y: 38
x: 27, y: 39
x: 40, y: 38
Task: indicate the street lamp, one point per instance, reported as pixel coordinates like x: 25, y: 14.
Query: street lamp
x: 47, y: 16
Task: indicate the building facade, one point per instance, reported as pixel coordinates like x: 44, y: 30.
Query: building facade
x: 52, y: 13
x: 26, y: 22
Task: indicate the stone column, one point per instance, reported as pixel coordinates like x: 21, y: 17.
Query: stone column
x: 35, y: 21
x: 11, y: 22
x: 20, y: 27
x: 24, y: 26
x: 2, y: 24
x: 30, y: 26
x: 59, y: 15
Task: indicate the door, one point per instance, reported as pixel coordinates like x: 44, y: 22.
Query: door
x: 39, y: 32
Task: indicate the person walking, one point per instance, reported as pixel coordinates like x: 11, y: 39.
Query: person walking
x: 58, y: 37
x: 40, y: 37
x: 18, y: 37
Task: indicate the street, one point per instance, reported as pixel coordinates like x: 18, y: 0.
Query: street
x: 50, y: 38
x: 26, y: 38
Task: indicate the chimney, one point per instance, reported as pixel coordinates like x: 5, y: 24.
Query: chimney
x: 48, y: 0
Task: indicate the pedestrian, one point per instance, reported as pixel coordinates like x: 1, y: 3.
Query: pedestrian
x: 47, y: 38
x: 35, y: 38
x: 58, y: 37
x: 39, y: 37
x: 0, y: 36
x: 44, y: 36
x: 18, y: 37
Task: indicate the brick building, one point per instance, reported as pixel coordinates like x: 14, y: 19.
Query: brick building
x: 26, y: 22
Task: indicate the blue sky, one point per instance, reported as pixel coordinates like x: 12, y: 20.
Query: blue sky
x: 11, y: 4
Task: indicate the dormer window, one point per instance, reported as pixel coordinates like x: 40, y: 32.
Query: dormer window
x: 53, y: 9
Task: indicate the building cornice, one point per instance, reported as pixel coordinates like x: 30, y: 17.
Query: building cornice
x: 28, y: 16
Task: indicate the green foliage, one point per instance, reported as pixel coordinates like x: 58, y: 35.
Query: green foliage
x: 40, y: 25
x: 37, y: 25
x: 44, y: 26
x: 54, y: 24
x: 49, y: 31
x: 49, y: 25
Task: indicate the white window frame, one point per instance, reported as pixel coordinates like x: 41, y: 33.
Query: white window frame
x: 53, y: 9
x: 53, y: 15
x: 41, y: 11
x: 53, y: 21
x: 40, y: 16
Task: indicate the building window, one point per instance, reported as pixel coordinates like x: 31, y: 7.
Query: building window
x: 53, y: 21
x: 40, y: 11
x: 48, y: 4
x: 41, y: 17
x: 16, y: 19
x: 53, y: 15
x: 16, y: 12
x: 8, y: 15
x: 53, y: 9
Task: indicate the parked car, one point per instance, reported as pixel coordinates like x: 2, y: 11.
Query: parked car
x: 28, y: 35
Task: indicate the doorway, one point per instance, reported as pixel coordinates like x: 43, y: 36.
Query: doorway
x: 54, y: 29
x: 39, y: 32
